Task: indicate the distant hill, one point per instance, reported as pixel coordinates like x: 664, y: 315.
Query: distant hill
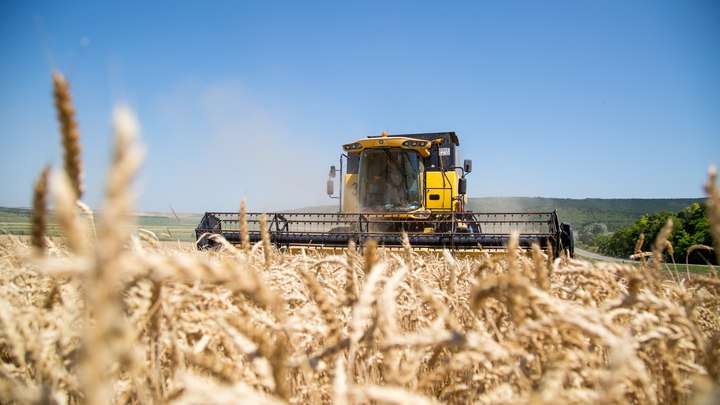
x: 613, y: 212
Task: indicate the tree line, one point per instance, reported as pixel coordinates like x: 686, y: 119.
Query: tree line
x: 690, y: 228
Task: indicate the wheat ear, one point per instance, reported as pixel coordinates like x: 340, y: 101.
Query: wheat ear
x: 127, y: 156
x: 65, y: 204
x: 39, y: 212
x: 265, y: 236
x: 350, y: 276
x: 692, y: 249
x: 324, y: 302
x: 69, y: 132
x: 541, y: 271
x: 661, y: 243
x: 109, y: 339
x: 638, y: 249
x: 244, y: 234
x: 453, y: 274
x: 513, y: 248
x: 409, y: 258
x: 371, y: 256
x: 713, y: 207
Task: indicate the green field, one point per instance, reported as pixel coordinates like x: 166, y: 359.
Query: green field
x: 166, y: 227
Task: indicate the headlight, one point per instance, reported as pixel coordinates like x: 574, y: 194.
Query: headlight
x: 414, y: 144
x: 352, y: 146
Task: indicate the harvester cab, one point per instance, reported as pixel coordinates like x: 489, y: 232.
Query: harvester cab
x: 393, y: 184
x: 417, y: 173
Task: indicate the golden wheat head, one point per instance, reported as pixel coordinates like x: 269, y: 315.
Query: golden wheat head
x: 72, y: 161
x: 39, y: 212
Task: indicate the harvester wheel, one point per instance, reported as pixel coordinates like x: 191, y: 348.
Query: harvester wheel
x: 567, y: 239
x: 205, y: 242
x: 474, y: 227
x: 469, y: 225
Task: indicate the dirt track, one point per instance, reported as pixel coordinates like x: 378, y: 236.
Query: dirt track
x: 590, y: 255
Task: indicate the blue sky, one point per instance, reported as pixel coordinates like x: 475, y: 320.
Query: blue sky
x: 572, y: 99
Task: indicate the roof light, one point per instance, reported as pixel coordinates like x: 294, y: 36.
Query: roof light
x: 352, y: 146
x: 414, y: 144
x: 383, y: 134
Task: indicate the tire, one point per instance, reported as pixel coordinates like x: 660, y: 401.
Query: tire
x: 567, y: 239
x: 473, y: 227
x: 205, y: 243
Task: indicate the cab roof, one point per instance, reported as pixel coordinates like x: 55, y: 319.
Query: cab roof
x: 427, y: 136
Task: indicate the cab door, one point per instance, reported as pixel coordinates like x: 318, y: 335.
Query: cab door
x: 439, y: 190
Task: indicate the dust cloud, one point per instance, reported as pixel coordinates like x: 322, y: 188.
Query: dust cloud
x: 228, y: 144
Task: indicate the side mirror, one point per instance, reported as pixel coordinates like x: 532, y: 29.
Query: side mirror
x: 332, y: 172
x: 462, y: 186
x: 330, y: 187
x: 468, y: 165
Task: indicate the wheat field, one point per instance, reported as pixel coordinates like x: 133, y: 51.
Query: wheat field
x: 110, y: 315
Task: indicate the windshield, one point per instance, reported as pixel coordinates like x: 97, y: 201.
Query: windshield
x: 389, y: 180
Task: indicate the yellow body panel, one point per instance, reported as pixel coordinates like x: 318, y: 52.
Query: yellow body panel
x: 389, y: 142
x: 440, y: 188
x: 350, y: 196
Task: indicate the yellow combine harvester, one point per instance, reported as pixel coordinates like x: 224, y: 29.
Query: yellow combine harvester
x: 413, y: 183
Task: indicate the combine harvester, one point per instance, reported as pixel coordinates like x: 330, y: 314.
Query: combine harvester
x: 393, y: 183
